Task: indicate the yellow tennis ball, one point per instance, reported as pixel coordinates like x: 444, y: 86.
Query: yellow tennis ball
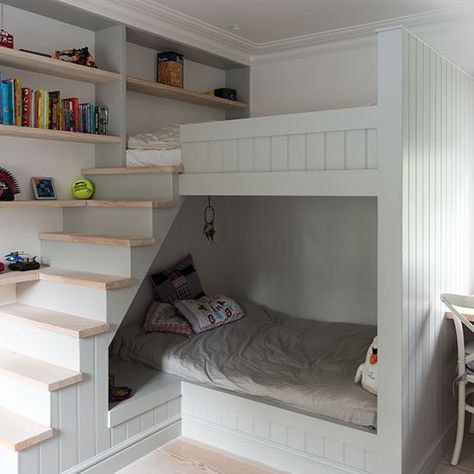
x: 82, y: 189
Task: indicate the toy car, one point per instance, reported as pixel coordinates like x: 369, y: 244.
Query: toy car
x: 21, y: 262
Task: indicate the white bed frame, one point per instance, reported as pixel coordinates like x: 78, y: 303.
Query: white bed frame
x: 413, y: 152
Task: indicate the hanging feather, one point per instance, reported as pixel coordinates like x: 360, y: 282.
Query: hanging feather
x: 209, y: 230
x: 8, y: 185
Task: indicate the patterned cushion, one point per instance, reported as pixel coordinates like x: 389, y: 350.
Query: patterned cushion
x: 162, y: 317
x: 209, y: 312
x: 177, y: 283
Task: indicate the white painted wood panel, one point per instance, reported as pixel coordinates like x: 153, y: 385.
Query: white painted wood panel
x: 437, y: 155
x: 281, y: 434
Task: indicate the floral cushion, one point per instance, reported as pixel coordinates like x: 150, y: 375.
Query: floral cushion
x: 162, y: 317
x: 177, y: 283
x: 209, y: 312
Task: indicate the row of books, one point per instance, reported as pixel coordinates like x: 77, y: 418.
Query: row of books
x: 26, y: 107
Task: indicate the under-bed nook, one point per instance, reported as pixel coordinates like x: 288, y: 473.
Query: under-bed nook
x: 320, y: 258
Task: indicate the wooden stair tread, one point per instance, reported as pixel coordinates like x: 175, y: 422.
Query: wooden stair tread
x: 12, y: 278
x: 100, y: 281
x: 154, y: 204
x: 18, y: 433
x: 97, y: 239
x: 62, y: 323
x: 36, y: 372
x: 136, y: 170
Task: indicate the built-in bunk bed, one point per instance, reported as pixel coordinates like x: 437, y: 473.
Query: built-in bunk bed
x: 412, y: 152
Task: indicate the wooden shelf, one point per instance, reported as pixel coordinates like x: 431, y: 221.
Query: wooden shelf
x: 12, y: 278
x: 141, y: 86
x: 54, y: 67
x: 135, y: 170
x: 152, y: 204
x: 57, y: 135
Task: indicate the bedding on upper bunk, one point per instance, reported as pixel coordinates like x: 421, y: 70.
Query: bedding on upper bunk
x: 160, y: 148
x: 300, y: 364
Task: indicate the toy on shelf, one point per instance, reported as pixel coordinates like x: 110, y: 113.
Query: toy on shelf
x: 82, y: 188
x: 6, y: 39
x: 2, y: 267
x: 21, y: 262
x: 8, y: 185
x: 76, y: 56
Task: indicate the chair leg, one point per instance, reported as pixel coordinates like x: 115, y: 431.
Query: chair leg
x: 471, y: 424
x: 460, y: 427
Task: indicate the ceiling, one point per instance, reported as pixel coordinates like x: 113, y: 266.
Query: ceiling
x: 262, y: 21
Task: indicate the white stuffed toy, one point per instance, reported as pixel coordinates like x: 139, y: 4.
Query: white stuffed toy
x: 367, y: 372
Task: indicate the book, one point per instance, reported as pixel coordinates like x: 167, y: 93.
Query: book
x: 17, y: 102
x: 55, y: 110
x: 26, y: 107
x: 1, y: 101
x: 7, y: 102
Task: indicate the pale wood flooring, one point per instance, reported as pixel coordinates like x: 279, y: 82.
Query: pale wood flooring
x: 466, y: 463
x: 184, y: 456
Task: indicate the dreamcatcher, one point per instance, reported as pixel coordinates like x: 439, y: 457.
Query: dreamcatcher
x: 209, y: 230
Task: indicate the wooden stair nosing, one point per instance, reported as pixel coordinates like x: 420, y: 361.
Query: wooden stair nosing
x: 135, y: 170
x: 18, y: 433
x: 54, y: 321
x: 113, y: 240
x: 109, y: 203
x: 99, y: 281
x: 12, y: 278
x: 35, y: 372
x: 153, y: 204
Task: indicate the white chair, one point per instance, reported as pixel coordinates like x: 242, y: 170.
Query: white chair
x: 465, y: 365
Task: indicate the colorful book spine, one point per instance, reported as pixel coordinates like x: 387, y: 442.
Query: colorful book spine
x: 26, y: 107
x: 8, y: 102
x: 17, y: 101
x: 1, y: 100
x: 55, y: 110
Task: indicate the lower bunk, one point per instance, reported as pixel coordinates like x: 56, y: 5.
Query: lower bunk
x: 269, y: 387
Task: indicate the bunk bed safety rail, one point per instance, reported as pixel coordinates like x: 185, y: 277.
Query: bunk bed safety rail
x: 328, y: 140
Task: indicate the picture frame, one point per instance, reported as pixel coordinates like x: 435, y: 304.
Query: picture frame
x: 43, y: 188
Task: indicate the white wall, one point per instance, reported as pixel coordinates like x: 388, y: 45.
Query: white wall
x: 313, y: 258
x: 147, y: 113
x: 27, y: 158
x: 338, y: 75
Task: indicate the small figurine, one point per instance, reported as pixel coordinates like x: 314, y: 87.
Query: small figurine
x: 6, y: 39
x: 2, y: 267
x: 21, y: 262
x: 76, y: 56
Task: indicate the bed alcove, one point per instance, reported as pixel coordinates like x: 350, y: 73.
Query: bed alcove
x: 308, y: 257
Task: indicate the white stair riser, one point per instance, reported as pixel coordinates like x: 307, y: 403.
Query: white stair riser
x: 134, y: 187
x: 39, y: 343
x: 130, y: 222
x: 8, y: 461
x: 77, y: 300
x: 114, y: 260
x: 25, y: 399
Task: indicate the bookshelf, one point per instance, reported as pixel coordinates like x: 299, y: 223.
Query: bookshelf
x: 156, y: 89
x: 56, y: 135
x: 53, y: 67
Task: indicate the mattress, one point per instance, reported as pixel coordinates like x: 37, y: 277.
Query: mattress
x: 167, y: 157
x: 300, y: 364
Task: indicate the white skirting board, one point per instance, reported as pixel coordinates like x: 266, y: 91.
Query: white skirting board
x: 129, y: 451
x: 281, y: 438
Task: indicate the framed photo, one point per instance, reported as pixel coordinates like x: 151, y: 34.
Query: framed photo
x: 43, y: 188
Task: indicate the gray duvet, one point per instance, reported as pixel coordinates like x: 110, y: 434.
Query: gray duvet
x: 300, y: 364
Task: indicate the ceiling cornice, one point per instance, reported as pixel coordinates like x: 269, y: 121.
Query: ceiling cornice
x: 169, y: 23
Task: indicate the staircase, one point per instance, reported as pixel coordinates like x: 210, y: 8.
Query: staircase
x: 56, y: 323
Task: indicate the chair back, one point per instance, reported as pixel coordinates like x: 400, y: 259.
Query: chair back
x: 453, y: 302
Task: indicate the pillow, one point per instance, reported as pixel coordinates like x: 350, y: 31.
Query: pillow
x: 209, y: 312
x: 367, y: 371
x: 162, y: 317
x: 177, y: 283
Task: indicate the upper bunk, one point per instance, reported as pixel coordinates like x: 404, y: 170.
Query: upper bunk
x: 326, y: 153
